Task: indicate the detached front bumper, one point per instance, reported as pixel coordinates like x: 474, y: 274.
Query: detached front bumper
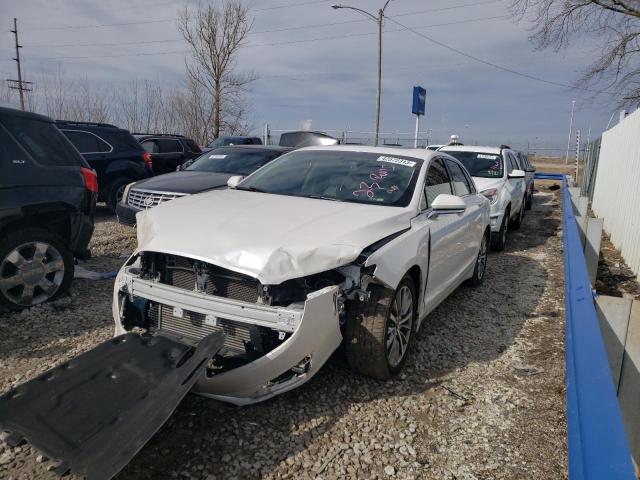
x: 312, y: 328
x: 495, y: 218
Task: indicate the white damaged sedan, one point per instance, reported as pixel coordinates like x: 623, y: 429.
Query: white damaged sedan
x: 322, y: 246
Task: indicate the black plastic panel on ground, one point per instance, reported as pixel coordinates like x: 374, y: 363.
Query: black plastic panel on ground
x: 95, y: 412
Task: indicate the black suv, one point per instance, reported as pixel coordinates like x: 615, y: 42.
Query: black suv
x: 168, y: 151
x: 113, y: 153
x: 47, y: 203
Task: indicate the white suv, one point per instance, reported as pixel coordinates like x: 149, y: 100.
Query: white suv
x: 498, y: 177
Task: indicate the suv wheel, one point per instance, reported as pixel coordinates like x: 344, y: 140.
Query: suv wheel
x: 116, y: 191
x: 529, y: 202
x: 481, y: 261
x: 35, y: 266
x: 517, y: 222
x: 499, y: 241
x: 379, y: 335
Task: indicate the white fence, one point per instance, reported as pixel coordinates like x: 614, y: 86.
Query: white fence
x: 616, y: 196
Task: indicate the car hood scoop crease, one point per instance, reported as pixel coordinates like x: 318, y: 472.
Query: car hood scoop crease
x: 95, y: 412
x: 273, y: 238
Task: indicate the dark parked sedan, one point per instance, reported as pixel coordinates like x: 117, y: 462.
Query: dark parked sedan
x: 209, y: 171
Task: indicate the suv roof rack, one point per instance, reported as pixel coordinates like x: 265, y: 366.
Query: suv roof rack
x: 159, y: 134
x: 85, y: 124
x: 502, y: 147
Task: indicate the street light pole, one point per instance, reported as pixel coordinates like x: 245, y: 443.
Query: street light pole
x: 379, y: 20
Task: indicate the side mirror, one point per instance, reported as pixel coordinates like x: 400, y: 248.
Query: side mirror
x: 444, y: 203
x: 234, y: 181
x: 517, y: 174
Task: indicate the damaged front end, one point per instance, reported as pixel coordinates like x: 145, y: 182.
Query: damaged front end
x: 277, y: 336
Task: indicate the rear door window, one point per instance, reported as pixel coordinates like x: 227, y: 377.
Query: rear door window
x: 169, y: 145
x: 193, y: 146
x: 87, y: 142
x: 460, y: 183
x: 11, y: 156
x: 150, y: 146
x: 43, y: 141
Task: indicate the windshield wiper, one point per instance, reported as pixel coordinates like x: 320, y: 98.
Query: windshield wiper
x: 323, y: 198
x: 251, y: 189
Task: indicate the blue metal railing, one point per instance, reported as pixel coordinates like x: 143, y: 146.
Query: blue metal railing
x: 596, y: 438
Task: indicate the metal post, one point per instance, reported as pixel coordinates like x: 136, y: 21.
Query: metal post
x: 566, y: 158
x: 577, y: 153
x: 379, y: 89
x: 415, y: 140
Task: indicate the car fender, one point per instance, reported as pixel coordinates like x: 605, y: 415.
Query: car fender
x: 393, y: 260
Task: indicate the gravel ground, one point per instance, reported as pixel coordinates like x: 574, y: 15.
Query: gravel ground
x: 482, y: 396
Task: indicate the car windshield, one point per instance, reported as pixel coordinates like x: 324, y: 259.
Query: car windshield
x: 360, y: 177
x: 484, y: 165
x: 224, y: 141
x: 227, y: 160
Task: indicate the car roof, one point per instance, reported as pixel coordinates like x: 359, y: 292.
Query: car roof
x: 10, y: 111
x: 421, y: 153
x: 269, y: 148
x: 471, y: 148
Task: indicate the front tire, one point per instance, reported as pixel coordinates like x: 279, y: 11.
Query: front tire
x: 499, y: 242
x: 481, y: 261
x: 517, y: 223
x: 379, y: 332
x: 35, y: 267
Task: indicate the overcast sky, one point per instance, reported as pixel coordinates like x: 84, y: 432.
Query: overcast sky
x: 326, y: 73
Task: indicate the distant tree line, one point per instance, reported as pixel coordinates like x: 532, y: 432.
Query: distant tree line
x: 210, y: 102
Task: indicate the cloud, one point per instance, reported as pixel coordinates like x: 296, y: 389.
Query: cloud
x: 328, y: 78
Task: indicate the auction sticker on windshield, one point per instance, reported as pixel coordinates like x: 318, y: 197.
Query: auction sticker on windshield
x: 217, y: 157
x: 397, y: 161
x: 487, y: 157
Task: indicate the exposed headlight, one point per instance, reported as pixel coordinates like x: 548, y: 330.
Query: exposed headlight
x: 125, y: 195
x: 491, y: 194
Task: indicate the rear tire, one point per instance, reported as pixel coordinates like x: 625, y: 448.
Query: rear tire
x: 374, y: 326
x: 35, y: 267
x: 115, y: 192
x: 499, y: 241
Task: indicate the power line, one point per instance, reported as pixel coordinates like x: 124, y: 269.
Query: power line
x: 495, y: 65
x: 165, y: 20
x: 271, y: 44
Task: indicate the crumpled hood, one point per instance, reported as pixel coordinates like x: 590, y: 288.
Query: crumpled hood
x: 271, y: 237
x: 486, y: 183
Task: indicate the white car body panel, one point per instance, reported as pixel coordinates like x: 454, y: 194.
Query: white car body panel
x: 271, y: 237
x: 275, y: 238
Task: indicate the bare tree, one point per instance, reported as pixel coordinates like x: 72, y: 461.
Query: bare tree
x: 614, y: 23
x: 216, y: 35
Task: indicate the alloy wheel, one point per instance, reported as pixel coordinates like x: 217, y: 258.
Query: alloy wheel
x: 31, y: 273
x: 399, y: 326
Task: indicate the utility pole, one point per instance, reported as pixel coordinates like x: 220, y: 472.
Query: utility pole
x: 18, y: 84
x: 379, y: 19
x: 566, y: 158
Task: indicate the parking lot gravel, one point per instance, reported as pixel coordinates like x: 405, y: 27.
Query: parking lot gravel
x: 481, y: 397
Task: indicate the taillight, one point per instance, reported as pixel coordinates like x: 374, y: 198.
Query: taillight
x: 90, y: 179
x: 146, y: 157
